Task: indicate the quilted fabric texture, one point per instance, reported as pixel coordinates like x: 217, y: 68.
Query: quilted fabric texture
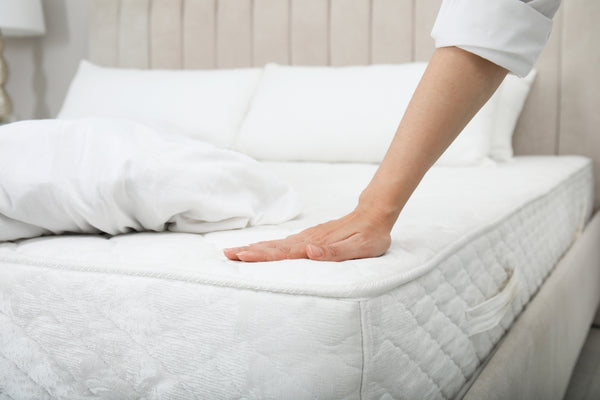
x: 422, y: 327
x: 77, y: 321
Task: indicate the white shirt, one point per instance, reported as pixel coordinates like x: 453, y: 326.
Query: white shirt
x: 510, y: 33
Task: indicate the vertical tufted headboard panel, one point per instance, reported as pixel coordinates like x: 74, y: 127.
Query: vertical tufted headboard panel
x: 561, y: 115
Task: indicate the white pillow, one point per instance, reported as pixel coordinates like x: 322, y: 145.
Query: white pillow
x: 205, y: 104
x: 511, y: 96
x: 115, y: 175
x: 338, y: 114
x: 350, y: 114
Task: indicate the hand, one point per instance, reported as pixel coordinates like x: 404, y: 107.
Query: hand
x: 356, y: 235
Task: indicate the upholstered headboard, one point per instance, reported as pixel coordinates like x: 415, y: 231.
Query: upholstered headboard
x: 562, y: 114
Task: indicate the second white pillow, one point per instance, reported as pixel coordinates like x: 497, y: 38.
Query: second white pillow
x: 344, y: 114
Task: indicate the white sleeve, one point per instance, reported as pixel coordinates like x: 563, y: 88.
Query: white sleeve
x: 510, y: 33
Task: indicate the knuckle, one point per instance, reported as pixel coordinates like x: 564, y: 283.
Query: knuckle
x: 374, y: 247
x: 334, y: 251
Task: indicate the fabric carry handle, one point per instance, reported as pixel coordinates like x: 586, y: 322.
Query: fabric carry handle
x: 488, y: 314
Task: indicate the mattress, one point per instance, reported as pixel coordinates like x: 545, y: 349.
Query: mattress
x: 166, y: 315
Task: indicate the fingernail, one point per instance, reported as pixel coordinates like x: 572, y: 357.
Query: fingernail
x: 316, y: 251
x: 242, y: 254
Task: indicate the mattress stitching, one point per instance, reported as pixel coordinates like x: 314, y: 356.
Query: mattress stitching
x: 472, y: 280
x: 457, y: 295
x: 7, y: 395
x: 406, y: 353
x: 499, y: 284
x: 433, y: 339
x: 24, y: 374
x: 43, y: 349
x: 292, y: 377
x: 414, y: 361
x: 538, y: 275
x: 486, y: 271
x: 452, y: 323
x: 380, y: 283
x: 147, y: 352
x: 85, y: 345
x: 363, y: 349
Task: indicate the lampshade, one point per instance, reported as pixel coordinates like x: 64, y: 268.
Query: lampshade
x: 21, y: 18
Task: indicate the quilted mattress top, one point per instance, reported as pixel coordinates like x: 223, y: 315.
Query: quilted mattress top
x: 450, y: 207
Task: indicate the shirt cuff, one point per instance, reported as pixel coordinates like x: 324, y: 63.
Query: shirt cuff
x: 509, y: 33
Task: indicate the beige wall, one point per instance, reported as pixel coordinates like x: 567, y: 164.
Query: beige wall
x: 40, y: 69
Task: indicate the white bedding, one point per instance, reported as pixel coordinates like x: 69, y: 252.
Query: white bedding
x: 114, y: 176
x: 165, y: 315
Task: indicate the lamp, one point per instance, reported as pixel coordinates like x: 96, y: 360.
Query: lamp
x: 17, y: 18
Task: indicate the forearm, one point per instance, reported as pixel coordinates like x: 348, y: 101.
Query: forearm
x: 454, y: 87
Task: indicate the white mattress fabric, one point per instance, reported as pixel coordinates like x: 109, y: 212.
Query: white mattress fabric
x: 166, y: 315
x: 114, y: 175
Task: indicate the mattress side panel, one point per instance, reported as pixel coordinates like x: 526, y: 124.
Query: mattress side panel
x: 72, y: 334
x: 416, y: 337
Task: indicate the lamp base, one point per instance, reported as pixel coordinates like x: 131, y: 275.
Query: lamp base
x: 5, y: 103
x: 8, y: 120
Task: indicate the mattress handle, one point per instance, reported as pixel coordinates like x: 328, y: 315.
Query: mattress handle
x: 488, y: 314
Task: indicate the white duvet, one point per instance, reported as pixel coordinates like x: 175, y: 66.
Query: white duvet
x: 115, y: 176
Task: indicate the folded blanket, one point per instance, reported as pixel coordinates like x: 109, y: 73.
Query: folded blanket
x: 115, y: 176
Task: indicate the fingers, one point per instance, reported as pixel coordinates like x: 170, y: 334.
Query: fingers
x: 231, y: 253
x: 268, y: 251
x: 272, y: 254
x: 292, y: 247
